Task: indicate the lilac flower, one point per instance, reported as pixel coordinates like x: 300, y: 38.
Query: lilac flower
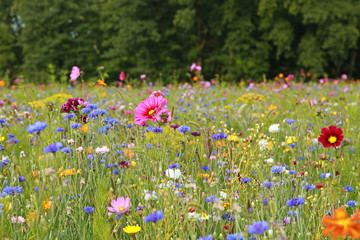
x: 154, y: 217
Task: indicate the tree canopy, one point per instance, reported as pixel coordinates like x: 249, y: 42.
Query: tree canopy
x: 236, y: 39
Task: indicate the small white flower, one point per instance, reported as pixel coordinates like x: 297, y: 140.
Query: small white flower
x: 262, y: 144
x: 270, y: 160
x: 274, y: 128
x: 70, y: 141
x: 22, y: 154
x: 223, y: 195
x: 173, y: 173
x: 150, y: 195
x: 79, y: 149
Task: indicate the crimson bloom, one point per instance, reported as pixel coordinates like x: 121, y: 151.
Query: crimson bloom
x: 148, y: 110
x: 331, y: 137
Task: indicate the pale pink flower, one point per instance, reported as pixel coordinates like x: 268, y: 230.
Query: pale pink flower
x: 119, y: 206
x: 346, y: 89
x: 13, y: 219
x: 102, y: 150
x: 164, y: 116
x: 344, y: 76
x: 75, y: 73
x: 122, y: 76
x: 21, y: 219
x: 143, y: 76
x: 192, y: 67
x: 157, y: 94
x: 148, y: 109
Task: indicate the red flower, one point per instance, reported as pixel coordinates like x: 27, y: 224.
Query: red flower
x: 331, y: 137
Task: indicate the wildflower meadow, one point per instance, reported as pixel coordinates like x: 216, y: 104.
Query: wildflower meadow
x: 191, y: 159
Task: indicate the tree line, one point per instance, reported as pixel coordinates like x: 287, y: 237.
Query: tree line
x: 237, y: 39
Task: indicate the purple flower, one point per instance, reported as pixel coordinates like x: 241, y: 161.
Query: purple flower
x: 258, y: 227
x: 22, y: 179
x: 154, y: 217
x: 209, y: 237
x: 183, y: 129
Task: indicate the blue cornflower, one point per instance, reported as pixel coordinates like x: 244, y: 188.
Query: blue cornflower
x: 22, y: 179
x: 269, y: 184
x: 85, y: 110
x: 89, y: 209
x: 9, y: 191
x: 52, y: 148
x: 37, y: 127
x: 205, y: 168
x: 295, y: 202
x: 10, y: 135
x: 157, y: 130
x: 60, y: 130
x: 245, y: 180
x: 326, y: 175
x: 211, y: 198
x: 219, y: 136
x: 277, y: 169
x: 75, y: 125
x: 174, y: 165
x: 209, y: 237
x: 258, y: 227
x: 348, y: 188
x: 129, y: 126
x: 310, y: 187
x: 352, y: 203
x: 235, y: 236
x: 290, y: 121
x: 183, y: 129
x: 154, y: 217
x: 66, y: 150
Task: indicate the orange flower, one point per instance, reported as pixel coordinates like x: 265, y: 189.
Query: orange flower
x: 2, y: 83
x: 35, y: 174
x: 281, y: 75
x: 341, y: 226
x: 101, y: 83
x: 195, y: 78
x: 47, y: 205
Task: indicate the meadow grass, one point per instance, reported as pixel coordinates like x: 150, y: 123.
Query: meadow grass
x: 225, y: 185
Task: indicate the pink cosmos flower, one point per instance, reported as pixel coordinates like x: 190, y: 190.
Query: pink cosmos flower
x: 119, y: 206
x: 75, y: 73
x: 346, y: 89
x: 148, y: 109
x: 198, y: 68
x: 128, y: 113
x: 192, y: 67
x: 143, y: 76
x: 157, y: 94
x: 344, y: 76
x: 17, y: 80
x: 290, y: 77
x: 21, y: 219
x: 122, y: 76
x: 164, y: 116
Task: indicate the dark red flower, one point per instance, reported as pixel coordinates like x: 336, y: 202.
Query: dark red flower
x: 331, y: 137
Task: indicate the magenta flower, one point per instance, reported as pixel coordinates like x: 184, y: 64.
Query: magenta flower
x: 122, y: 76
x: 164, y: 116
x: 119, y: 206
x: 344, y: 76
x: 73, y: 104
x: 198, y: 68
x: 75, y: 73
x: 143, y: 76
x: 148, y: 110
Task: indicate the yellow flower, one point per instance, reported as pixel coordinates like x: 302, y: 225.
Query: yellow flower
x: 2, y: 139
x: 132, y: 230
